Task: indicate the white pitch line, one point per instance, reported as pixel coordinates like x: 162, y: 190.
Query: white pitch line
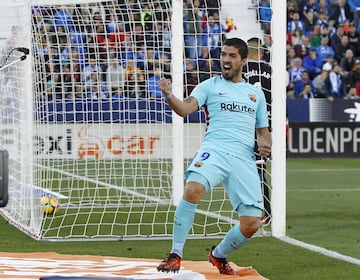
x: 324, y: 170
x: 325, y: 190
x: 323, y: 251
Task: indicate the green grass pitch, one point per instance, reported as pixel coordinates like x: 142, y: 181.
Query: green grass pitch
x: 322, y: 209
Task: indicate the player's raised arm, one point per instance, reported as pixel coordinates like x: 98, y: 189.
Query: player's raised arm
x: 182, y: 108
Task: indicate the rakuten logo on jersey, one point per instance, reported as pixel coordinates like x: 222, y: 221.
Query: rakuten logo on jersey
x: 233, y: 107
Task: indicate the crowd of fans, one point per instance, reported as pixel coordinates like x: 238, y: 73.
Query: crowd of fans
x: 323, y: 49
x: 119, y: 49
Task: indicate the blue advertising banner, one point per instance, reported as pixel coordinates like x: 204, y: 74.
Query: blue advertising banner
x: 137, y: 110
x: 125, y: 110
x: 323, y: 110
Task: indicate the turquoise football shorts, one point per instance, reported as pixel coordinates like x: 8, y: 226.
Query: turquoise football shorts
x: 239, y: 177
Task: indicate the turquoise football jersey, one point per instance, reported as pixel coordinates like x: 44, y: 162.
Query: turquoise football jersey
x: 232, y: 112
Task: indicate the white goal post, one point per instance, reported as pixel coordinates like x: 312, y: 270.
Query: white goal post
x: 86, y: 124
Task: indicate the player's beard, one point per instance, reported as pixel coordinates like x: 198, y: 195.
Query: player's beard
x: 230, y: 74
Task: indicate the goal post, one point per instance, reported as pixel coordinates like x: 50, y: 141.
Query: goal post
x: 177, y: 44
x: 278, y: 172
x: 92, y: 129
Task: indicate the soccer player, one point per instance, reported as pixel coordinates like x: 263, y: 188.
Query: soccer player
x: 258, y: 72
x: 235, y: 109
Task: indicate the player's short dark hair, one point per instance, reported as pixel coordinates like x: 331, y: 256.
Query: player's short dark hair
x: 239, y: 44
x: 254, y: 41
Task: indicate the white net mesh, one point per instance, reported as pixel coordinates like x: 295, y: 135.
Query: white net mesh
x: 102, y: 134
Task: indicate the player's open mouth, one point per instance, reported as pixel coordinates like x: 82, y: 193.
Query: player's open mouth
x: 226, y: 68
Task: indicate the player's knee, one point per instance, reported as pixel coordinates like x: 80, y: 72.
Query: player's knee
x: 194, y: 192
x: 249, y: 226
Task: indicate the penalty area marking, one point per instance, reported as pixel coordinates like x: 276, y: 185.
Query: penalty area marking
x: 317, y: 249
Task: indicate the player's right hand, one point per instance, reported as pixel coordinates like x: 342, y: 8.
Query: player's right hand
x: 165, y: 86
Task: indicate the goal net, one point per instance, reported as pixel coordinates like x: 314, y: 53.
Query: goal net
x: 89, y: 125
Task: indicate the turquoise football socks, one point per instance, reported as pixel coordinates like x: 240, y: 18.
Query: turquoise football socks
x: 183, y: 220
x: 233, y: 240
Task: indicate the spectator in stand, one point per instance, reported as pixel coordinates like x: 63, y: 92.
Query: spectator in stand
x: 77, y: 58
x: 267, y: 47
x: 152, y: 84
x: 315, y: 36
x: 332, y: 4
x: 296, y: 22
x: 212, y: 36
x: 354, y: 40
x: 118, y: 93
x: 307, y: 92
x: 309, y: 14
x: 335, y: 83
x: 291, y: 8
x: 116, y: 34
x: 342, y: 13
x: 67, y: 80
x: 322, y: 20
x: 312, y: 63
x: 151, y: 59
x: 78, y: 93
x: 191, y: 77
x: 164, y: 33
x: 265, y: 15
x: 138, y: 34
x: 206, y: 65
x: 330, y: 30
x: 324, y: 49
x: 193, y: 30
x: 355, y: 9
x: 327, y: 66
x: 335, y: 40
x: 205, y: 69
x: 95, y: 87
x: 355, y: 77
x: 91, y: 66
x: 303, y: 49
x: 320, y: 84
x: 205, y: 56
x: 346, y: 28
x: 131, y: 70
x: 297, y: 37
x: 63, y: 18
x: 101, y: 41
x: 341, y: 49
x: 212, y: 5
x: 136, y: 86
x: 115, y: 76
x: 165, y: 63
x: 147, y: 21
x: 290, y: 58
x: 352, y: 94
x: 112, y: 22
x: 295, y: 73
x: 97, y: 11
x: 127, y: 48
x: 300, y: 86
x: 140, y: 57
x: 347, y: 63
x: 323, y: 7
x: 78, y: 40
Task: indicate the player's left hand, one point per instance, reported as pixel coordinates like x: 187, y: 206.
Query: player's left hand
x: 265, y: 150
